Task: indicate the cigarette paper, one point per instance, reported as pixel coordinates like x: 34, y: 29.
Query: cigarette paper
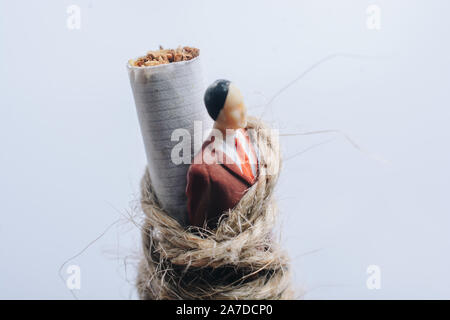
x: 169, y: 97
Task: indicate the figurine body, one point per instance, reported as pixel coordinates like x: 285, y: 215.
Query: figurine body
x: 227, y: 164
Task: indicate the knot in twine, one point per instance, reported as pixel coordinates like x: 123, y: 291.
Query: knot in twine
x: 240, y: 259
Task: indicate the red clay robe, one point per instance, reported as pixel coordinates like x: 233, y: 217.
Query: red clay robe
x: 217, y: 185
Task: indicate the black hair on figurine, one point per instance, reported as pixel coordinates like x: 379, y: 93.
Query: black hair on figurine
x: 215, y: 97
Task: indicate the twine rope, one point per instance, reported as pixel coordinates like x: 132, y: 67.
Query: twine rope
x: 240, y: 259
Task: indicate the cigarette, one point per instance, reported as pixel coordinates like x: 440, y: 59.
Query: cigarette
x: 168, y: 87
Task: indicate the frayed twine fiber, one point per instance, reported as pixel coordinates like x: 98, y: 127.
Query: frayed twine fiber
x: 238, y: 260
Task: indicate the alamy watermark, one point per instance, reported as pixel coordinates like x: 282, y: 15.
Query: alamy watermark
x: 73, y: 281
x: 373, y: 282
x: 73, y: 21
x: 181, y: 152
x: 373, y: 20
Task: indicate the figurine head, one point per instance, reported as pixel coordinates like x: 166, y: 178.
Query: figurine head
x: 225, y: 104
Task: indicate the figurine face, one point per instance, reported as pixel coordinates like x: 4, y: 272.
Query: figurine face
x: 234, y: 113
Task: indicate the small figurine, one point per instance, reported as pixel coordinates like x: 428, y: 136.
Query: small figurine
x: 217, y: 184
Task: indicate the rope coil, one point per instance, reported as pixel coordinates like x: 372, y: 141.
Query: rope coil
x: 240, y: 259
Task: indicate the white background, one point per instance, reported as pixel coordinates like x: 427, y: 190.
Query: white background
x: 71, y: 154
